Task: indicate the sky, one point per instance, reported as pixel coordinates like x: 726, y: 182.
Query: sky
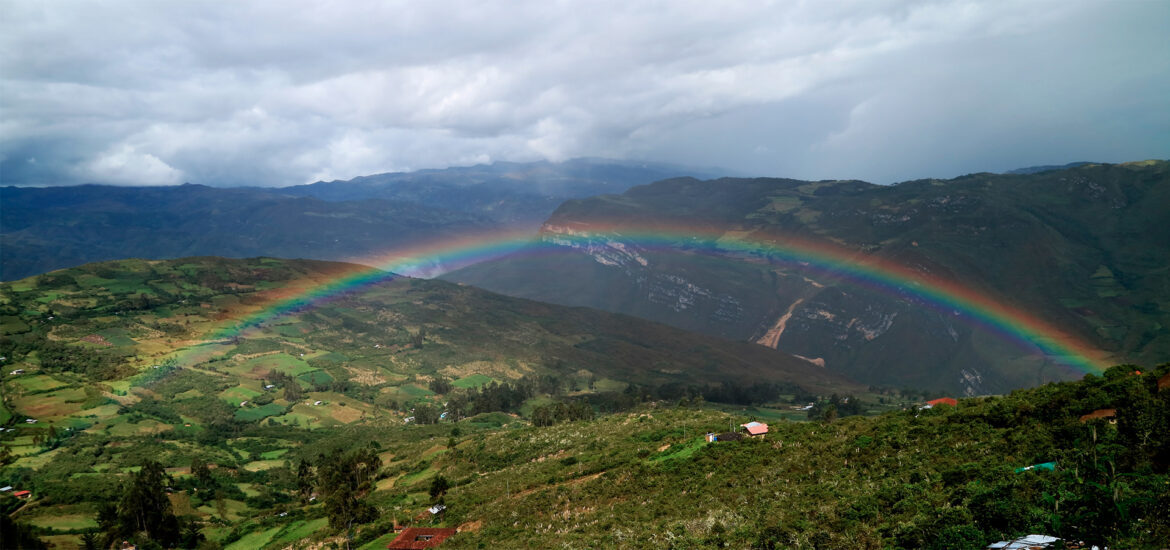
x: 286, y: 92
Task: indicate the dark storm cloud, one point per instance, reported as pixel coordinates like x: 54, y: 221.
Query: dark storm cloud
x: 280, y: 93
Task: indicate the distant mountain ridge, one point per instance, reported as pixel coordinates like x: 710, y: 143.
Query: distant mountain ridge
x: 1047, y: 168
x: 1084, y: 248
x: 508, y: 192
x: 48, y: 228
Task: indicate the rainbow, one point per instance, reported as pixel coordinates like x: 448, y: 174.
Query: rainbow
x: 802, y: 254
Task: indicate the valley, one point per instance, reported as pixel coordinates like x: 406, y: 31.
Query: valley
x: 947, y: 269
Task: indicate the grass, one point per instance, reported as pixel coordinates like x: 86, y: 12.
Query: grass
x: 35, y: 383
x: 238, y: 395
x: 472, y: 381
x: 415, y: 390
x: 284, y: 363
x: 254, y: 540
x: 63, y: 520
x: 272, y: 455
x: 298, y: 530
x: 250, y: 414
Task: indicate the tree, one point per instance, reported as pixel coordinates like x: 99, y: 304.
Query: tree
x: 345, y: 480
x: 202, y: 473
x: 439, y: 486
x: 440, y: 384
x: 143, y: 508
x: 426, y: 414
x: 17, y: 535
x: 89, y: 540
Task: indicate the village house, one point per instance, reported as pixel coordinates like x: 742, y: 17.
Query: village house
x: 413, y: 538
x: 940, y: 401
x: 755, y: 429
x: 22, y: 494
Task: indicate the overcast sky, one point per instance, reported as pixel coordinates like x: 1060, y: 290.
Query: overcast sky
x: 283, y: 93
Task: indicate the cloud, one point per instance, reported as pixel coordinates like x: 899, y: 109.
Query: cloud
x: 127, y: 166
x: 271, y: 93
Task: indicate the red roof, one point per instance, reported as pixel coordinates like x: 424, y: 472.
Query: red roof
x: 943, y: 401
x: 756, y: 428
x: 1164, y: 382
x: 413, y: 538
x: 20, y: 494
x: 1099, y: 413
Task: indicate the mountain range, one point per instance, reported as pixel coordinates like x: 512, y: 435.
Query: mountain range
x: 42, y: 229
x: 1084, y: 248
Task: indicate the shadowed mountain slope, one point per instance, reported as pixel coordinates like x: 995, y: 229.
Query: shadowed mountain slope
x: 1085, y: 249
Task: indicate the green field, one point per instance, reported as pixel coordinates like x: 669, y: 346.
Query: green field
x: 287, y: 364
x: 36, y: 383
x: 473, y: 381
x: 238, y: 395
x: 251, y: 414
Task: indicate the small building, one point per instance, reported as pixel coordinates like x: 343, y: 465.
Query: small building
x: 1164, y: 382
x: 755, y: 429
x: 1108, y: 414
x: 5, y: 488
x: 438, y: 511
x: 17, y: 371
x: 940, y: 401
x: 413, y: 538
x: 22, y: 494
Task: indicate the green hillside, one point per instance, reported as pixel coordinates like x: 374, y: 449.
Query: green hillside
x: 111, y: 365
x: 1083, y: 249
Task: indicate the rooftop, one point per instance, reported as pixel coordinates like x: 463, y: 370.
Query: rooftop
x: 413, y: 538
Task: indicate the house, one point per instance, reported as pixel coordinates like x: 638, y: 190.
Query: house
x: 437, y: 511
x: 710, y: 437
x: 5, y: 488
x: 1030, y: 542
x: 413, y: 538
x: 940, y: 401
x: 1164, y: 382
x: 755, y: 429
x: 22, y: 494
x: 1110, y: 414
x: 17, y: 371
x: 30, y: 421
